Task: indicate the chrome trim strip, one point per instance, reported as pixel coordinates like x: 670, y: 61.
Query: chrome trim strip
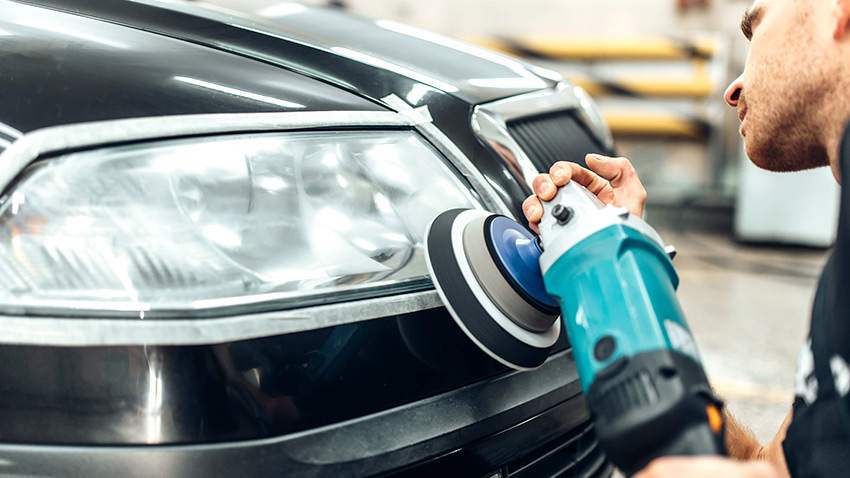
x: 490, y: 121
x: 9, y: 132
x: 57, y: 331
x: 8, y: 135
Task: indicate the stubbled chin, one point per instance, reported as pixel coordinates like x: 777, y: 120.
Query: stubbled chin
x: 767, y: 166
x: 770, y: 158
x: 758, y: 156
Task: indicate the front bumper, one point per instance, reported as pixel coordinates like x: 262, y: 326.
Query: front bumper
x: 471, y: 430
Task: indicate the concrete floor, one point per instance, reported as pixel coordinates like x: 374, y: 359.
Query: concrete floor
x: 749, y: 309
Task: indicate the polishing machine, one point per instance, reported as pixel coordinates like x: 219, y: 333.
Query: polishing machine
x: 608, y: 274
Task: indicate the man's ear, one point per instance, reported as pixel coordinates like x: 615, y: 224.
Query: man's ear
x: 841, y: 15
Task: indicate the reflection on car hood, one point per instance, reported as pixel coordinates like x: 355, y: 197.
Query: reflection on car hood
x: 60, y: 68
x: 450, y: 65
x: 473, y: 74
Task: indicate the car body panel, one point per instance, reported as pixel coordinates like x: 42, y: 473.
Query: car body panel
x: 473, y: 74
x: 248, y: 389
x: 62, y: 68
x: 402, y: 390
x: 494, y: 421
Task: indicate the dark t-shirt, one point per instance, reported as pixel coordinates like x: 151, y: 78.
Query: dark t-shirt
x: 818, y: 440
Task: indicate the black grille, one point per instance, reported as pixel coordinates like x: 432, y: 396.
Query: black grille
x: 577, y: 456
x: 574, y: 454
x: 552, y: 137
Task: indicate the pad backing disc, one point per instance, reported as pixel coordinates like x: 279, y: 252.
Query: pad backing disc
x: 474, y: 312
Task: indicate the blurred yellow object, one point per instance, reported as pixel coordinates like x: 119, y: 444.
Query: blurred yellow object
x: 697, y: 87
x: 695, y: 51
x: 601, y: 49
x: 655, y: 125
x: 698, y: 52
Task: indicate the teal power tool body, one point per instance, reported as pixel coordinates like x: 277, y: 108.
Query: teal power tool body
x: 611, y: 279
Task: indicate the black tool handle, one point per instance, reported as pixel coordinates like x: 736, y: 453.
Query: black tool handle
x: 655, y: 404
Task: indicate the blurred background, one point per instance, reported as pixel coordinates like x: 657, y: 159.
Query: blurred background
x: 751, y: 243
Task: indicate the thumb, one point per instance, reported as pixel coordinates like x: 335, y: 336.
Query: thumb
x: 612, y: 169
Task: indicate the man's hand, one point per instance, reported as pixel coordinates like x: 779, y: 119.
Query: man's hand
x: 706, y: 467
x: 612, y: 180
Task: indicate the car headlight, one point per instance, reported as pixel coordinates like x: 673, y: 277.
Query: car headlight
x: 199, y: 224
x: 593, y: 116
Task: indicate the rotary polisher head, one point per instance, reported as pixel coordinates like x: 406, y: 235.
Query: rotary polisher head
x: 486, y: 269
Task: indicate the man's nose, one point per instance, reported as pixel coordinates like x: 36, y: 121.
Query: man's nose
x: 733, y: 91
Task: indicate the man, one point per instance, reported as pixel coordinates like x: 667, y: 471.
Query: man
x: 793, y: 100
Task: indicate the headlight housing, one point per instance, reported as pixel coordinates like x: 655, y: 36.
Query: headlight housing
x: 191, y: 225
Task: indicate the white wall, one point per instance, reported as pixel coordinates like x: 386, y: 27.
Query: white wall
x: 553, y: 17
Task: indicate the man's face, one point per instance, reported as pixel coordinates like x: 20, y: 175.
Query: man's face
x: 778, y: 95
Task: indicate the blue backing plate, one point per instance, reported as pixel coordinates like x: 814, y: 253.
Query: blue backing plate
x: 515, y: 250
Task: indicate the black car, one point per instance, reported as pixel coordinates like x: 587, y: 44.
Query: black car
x: 210, y: 245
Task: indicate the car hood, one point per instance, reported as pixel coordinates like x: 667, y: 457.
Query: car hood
x: 58, y: 68
x: 473, y: 73
x: 470, y: 73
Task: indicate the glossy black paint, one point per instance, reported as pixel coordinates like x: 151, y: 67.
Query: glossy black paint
x: 57, y: 68
x: 510, y: 419
x: 244, y: 390
x: 472, y: 74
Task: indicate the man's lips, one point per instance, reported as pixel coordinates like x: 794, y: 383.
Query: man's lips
x: 742, y: 114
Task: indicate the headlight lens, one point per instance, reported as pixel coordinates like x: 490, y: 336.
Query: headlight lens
x: 593, y: 116
x: 200, y: 224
